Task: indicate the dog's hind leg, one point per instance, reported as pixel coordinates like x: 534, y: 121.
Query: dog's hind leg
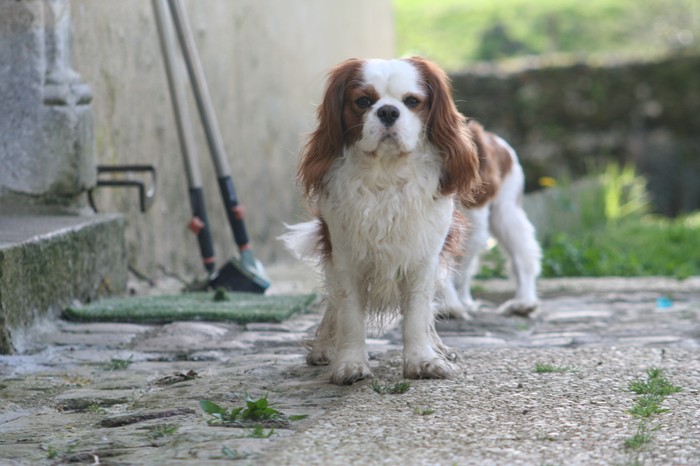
x: 516, y: 235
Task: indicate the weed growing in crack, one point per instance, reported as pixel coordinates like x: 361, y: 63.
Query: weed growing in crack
x: 161, y: 430
x: 94, y: 408
x: 652, y: 392
x: 656, y: 384
x: 424, y: 411
x: 640, y: 438
x: 391, y: 389
x: 542, y: 368
x: 116, y: 364
x: 255, y: 413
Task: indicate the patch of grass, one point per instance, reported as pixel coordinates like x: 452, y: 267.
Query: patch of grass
x: 391, y: 389
x: 162, y: 430
x: 117, y: 364
x: 648, y: 246
x: 255, y: 413
x: 543, y: 368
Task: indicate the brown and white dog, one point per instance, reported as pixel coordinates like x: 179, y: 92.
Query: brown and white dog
x: 386, y: 171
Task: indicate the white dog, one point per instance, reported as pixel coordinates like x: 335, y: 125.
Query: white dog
x: 385, y: 170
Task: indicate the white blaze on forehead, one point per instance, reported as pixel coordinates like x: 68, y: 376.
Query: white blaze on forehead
x: 394, y: 78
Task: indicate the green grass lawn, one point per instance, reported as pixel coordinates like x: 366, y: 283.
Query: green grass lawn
x: 457, y: 32
x: 647, y: 246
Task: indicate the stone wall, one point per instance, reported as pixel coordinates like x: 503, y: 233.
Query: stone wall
x: 265, y: 62
x: 565, y: 119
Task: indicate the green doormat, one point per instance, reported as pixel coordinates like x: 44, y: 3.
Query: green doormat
x: 235, y: 307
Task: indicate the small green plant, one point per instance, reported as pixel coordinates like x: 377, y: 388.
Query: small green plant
x: 652, y: 392
x: 220, y: 295
x: 94, y: 408
x: 647, y: 405
x: 391, y: 389
x: 51, y: 452
x: 641, y: 437
x: 162, y: 430
x: 543, y: 368
x: 656, y: 384
x: 259, y: 432
x: 255, y: 412
x: 117, y: 364
x: 424, y: 411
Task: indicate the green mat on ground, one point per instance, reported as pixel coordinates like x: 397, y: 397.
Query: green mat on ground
x: 235, y: 307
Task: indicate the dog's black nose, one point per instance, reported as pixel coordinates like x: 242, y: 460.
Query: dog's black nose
x: 388, y: 114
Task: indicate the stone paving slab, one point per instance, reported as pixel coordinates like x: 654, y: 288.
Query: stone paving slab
x: 66, y: 402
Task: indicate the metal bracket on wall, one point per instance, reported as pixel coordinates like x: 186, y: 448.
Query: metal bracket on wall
x: 146, y: 196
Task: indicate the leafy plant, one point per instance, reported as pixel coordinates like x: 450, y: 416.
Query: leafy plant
x: 653, y: 391
x: 391, y: 389
x: 255, y: 412
x: 655, y: 385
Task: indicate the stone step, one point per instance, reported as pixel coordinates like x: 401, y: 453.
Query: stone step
x: 48, y: 261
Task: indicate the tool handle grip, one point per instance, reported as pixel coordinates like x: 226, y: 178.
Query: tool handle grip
x: 234, y: 211
x: 200, y: 226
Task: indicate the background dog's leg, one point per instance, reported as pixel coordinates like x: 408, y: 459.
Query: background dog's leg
x: 424, y: 356
x: 515, y: 233
x: 460, y: 296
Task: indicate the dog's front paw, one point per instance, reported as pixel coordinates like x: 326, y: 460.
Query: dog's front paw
x: 349, y: 372
x: 517, y: 307
x: 435, y: 368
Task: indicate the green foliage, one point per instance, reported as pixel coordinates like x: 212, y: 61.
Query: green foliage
x: 457, y: 32
x: 161, y: 430
x: 653, y: 391
x: 625, y: 193
x: 641, y: 437
x: 254, y: 413
x: 646, y: 246
x: 117, y: 364
x: 391, y: 389
x: 656, y: 384
x: 543, y: 368
x: 493, y: 264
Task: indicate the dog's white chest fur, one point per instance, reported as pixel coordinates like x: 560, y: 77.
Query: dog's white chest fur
x: 385, y: 217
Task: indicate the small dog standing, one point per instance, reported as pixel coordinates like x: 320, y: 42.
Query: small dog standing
x: 385, y: 170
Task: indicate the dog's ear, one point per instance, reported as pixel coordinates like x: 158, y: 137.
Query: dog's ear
x: 326, y: 142
x: 447, y: 130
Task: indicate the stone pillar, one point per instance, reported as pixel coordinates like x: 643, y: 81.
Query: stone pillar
x: 47, y: 151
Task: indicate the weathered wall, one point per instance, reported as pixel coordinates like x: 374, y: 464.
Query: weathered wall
x: 563, y: 117
x: 265, y: 62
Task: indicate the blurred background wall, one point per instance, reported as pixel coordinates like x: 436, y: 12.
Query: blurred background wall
x: 265, y: 62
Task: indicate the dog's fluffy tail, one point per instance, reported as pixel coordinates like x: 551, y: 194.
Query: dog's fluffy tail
x: 302, y: 240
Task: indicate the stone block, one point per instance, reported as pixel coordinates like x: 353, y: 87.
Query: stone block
x: 47, y: 262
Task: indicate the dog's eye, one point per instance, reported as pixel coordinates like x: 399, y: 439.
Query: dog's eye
x: 363, y: 102
x: 411, y: 102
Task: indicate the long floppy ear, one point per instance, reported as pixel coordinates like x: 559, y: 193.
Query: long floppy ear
x: 447, y: 130
x: 326, y: 142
